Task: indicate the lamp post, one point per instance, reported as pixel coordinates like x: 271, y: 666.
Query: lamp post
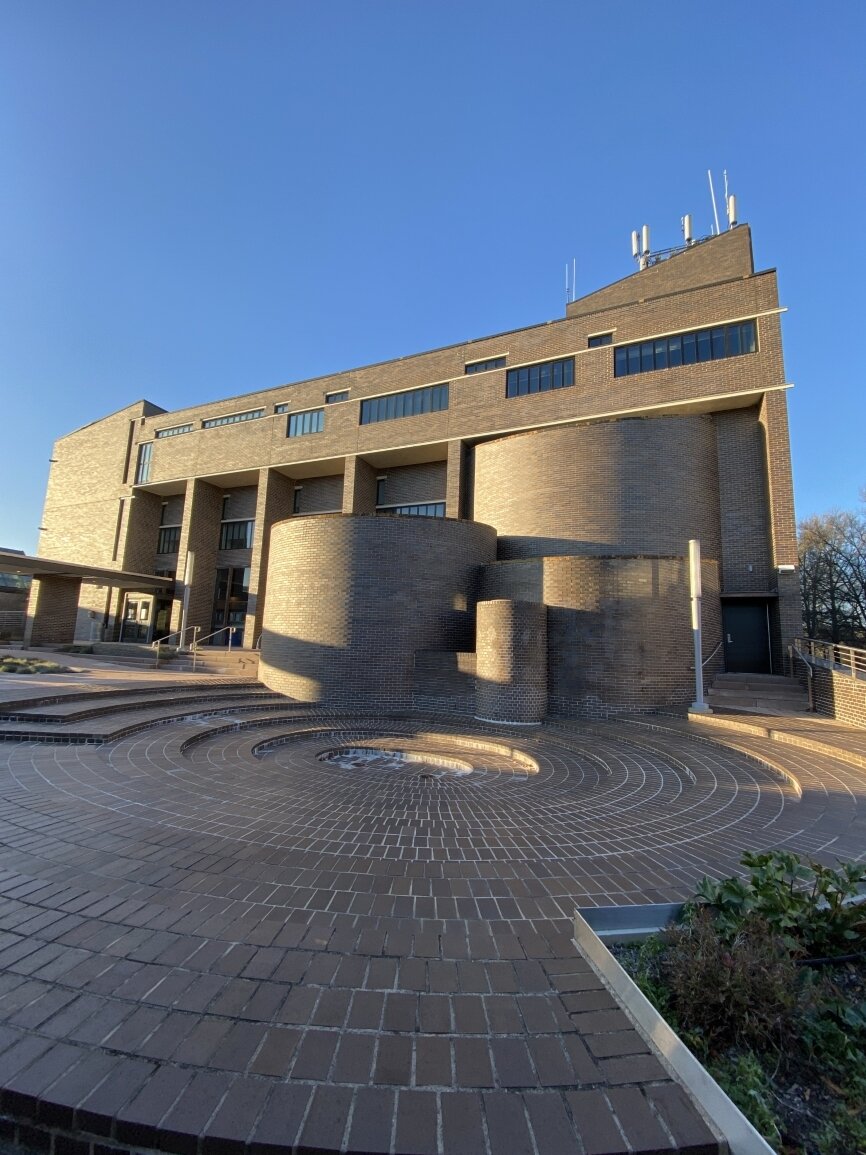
x: 699, y: 706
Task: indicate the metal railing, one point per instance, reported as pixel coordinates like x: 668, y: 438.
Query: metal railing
x: 160, y: 642
x: 844, y: 657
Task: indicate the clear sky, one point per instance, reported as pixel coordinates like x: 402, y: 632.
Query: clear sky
x: 199, y: 198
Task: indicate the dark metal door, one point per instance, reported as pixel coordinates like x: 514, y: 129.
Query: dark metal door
x: 747, y: 641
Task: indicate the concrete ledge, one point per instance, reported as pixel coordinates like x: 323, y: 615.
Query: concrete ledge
x: 722, y: 1115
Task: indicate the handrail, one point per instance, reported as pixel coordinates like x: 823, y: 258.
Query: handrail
x: 198, y: 641
x: 846, y: 657
x: 160, y: 642
x: 713, y: 654
x: 810, y: 672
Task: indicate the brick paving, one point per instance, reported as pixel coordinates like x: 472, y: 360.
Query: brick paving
x: 214, y: 939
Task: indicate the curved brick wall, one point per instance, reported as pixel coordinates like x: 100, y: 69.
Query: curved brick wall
x: 351, y: 598
x: 511, y: 669
x: 617, y: 487
x: 618, y: 628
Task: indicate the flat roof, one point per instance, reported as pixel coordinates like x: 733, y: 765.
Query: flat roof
x: 22, y: 563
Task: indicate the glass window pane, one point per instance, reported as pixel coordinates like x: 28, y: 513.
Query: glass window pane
x: 568, y: 370
x: 533, y: 378
x: 705, y: 345
x: 661, y: 353
x: 544, y: 378
x: 690, y: 348
x: 718, y: 342
x: 732, y: 336
x: 748, y: 343
x: 523, y: 387
x: 646, y: 356
x: 675, y: 351
x: 634, y: 358
x: 620, y: 362
x: 511, y: 383
x: 557, y: 375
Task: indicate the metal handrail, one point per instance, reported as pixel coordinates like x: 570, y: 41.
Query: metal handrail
x: 846, y: 657
x: 198, y: 641
x: 160, y: 642
x: 810, y: 671
x: 713, y: 654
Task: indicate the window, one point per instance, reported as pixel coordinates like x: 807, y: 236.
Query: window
x: 539, y: 378
x: 483, y: 366
x: 296, y: 500
x: 380, y: 491
x: 174, y: 431
x: 686, y: 349
x: 430, y: 399
x: 232, y: 418
x: 142, y: 468
x: 236, y: 534
x: 282, y: 408
x: 313, y: 421
x: 599, y: 339
x: 340, y: 395
x: 169, y: 539
x: 424, y: 509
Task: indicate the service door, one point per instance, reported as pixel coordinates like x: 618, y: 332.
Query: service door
x: 747, y: 637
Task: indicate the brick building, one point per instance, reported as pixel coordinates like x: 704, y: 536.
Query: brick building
x: 564, y: 465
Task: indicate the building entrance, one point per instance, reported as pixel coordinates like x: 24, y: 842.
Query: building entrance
x: 231, y: 595
x: 746, y: 626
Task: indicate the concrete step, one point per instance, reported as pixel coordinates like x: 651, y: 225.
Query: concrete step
x: 757, y: 694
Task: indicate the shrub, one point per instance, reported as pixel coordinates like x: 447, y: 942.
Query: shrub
x: 807, y: 905
x: 737, y: 991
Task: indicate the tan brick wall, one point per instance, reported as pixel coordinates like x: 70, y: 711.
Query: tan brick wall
x: 406, y: 484
x: 629, y: 487
x: 350, y: 600
x: 511, y: 665
x: 199, y: 536
x: 839, y: 696
x: 275, y: 495
x: 52, y: 611
x: 321, y: 494
x: 746, y: 561
x: 359, y: 486
x: 723, y: 258
x: 618, y: 628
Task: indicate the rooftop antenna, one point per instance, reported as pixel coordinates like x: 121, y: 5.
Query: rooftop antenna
x: 640, y: 246
x: 574, y: 278
x: 567, y: 298
x: 713, y: 196
x: 686, y: 223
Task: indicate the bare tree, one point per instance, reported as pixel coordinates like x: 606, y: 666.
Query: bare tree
x: 833, y: 576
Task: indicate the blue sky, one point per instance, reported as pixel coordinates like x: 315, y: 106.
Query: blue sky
x: 201, y: 198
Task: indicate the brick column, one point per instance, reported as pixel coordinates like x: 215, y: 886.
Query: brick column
x: 273, y: 503
x: 787, y: 624
x: 359, y: 486
x: 137, y: 547
x: 199, y: 535
x: 52, y: 611
x: 454, y: 480
x: 511, y: 670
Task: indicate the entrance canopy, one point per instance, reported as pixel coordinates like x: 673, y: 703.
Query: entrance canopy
x: 21, y: 563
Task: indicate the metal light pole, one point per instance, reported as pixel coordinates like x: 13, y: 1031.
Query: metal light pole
x: 699, y: 706
x: 187, y: 583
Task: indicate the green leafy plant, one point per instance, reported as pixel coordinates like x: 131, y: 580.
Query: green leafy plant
x: 808, y: 905
x: 744, y: 1079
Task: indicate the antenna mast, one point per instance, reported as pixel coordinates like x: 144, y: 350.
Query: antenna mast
x: 713, y: 196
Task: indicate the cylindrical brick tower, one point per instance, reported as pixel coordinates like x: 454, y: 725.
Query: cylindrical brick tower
x: 351, y: 598
x: 628, y: 487
x: 511, y: 671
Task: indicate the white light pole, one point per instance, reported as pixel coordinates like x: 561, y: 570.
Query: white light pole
x: 699, y: 706
x: 187, y: 583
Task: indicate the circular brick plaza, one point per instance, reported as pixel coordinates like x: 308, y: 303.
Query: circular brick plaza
x: 263, y: 926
